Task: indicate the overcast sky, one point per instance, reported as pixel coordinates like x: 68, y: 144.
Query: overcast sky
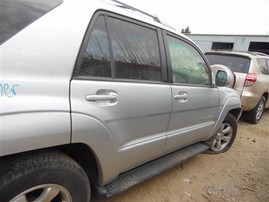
x: 211, y: 16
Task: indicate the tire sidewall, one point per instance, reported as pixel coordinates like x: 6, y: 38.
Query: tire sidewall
x: 250, y: 116
x: 232, y: 121
x: 262, y: 100
x: 72, y: 179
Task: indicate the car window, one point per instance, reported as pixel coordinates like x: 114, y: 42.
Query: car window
x: 263, y: 65
x: 96, y: 60
x: 135, y: 50
x: 235, y: 63
x: 188, y: 66
x: 129, y: 51
x: 17, y: 14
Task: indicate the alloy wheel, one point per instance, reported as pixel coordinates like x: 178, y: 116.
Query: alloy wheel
x: 259, y: 111
x: 223, y: 138
x: 45, y: 192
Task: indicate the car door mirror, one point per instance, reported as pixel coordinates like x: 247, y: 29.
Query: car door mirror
x: 223, y: 76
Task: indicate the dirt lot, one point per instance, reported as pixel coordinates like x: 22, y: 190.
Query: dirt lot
x: 241, y: 174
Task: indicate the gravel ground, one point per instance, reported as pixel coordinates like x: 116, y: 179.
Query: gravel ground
x: 240, y: 174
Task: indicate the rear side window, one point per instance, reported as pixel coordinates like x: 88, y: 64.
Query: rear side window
x: 15, y: 15
x: 96, y: 60
x: 129, y: 51
x: 263, y: 66
x: 135, y: 51
x: 235, y: 63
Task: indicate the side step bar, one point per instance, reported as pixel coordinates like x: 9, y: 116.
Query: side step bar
x: 144, y: 172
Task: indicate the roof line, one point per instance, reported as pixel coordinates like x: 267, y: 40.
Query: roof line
x: 124, y: 5
x: 253, y: 35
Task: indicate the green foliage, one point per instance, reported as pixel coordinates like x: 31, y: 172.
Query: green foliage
x: 186, y: 31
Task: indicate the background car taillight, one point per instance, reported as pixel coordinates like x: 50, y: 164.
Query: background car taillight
x: 251, y: 78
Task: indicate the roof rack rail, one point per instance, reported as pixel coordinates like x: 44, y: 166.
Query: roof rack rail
x: 240, y: 51
x: 123, y: 5
x: 259, y: 53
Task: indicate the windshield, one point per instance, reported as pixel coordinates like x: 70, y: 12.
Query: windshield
x: 17, y: 14
x: 234, y: 62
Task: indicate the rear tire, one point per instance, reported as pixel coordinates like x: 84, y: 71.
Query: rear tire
x: 49, y: 176
x: 255, y: 115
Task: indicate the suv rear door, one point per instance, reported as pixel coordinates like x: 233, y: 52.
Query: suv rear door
x: 118, y: 82
x: 195, y: 101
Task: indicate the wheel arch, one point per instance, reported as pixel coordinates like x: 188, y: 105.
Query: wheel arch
x: 266, y: 94
x: 84, y: 156
x: 79, y: 152
x: 232, y: 105
x: 236, y: 113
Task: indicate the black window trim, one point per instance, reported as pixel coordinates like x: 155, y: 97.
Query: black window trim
x: 169, y: 63
x: 83, y: 47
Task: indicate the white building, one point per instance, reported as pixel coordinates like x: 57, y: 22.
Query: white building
x: 207, y: 42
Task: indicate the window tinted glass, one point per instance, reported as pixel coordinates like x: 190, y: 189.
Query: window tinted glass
x: 187, y: 64
x: 96, y: 59
x: 17, y: 14
x: 235, y: 63
x: 263, y: 65
x: 135, y: 51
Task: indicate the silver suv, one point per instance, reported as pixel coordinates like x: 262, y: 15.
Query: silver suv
x: 98, y: 93
x: 252, y: 79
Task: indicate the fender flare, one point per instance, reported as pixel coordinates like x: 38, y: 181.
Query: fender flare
x: 230, y: 104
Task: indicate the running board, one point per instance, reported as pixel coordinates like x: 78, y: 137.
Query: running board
x: 144, y: 172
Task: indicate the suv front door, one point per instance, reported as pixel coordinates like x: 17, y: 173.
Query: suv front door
x: 195, y: 101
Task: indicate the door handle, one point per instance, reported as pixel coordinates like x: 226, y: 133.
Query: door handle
x: 181, y: 97
x: 109, y: 97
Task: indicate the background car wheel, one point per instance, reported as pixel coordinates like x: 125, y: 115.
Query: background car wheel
x: 41, y: 177
x: 255, y: 114
x: 224, y: 138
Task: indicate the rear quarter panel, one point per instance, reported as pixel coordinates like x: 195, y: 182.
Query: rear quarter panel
x: 36, y: 66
